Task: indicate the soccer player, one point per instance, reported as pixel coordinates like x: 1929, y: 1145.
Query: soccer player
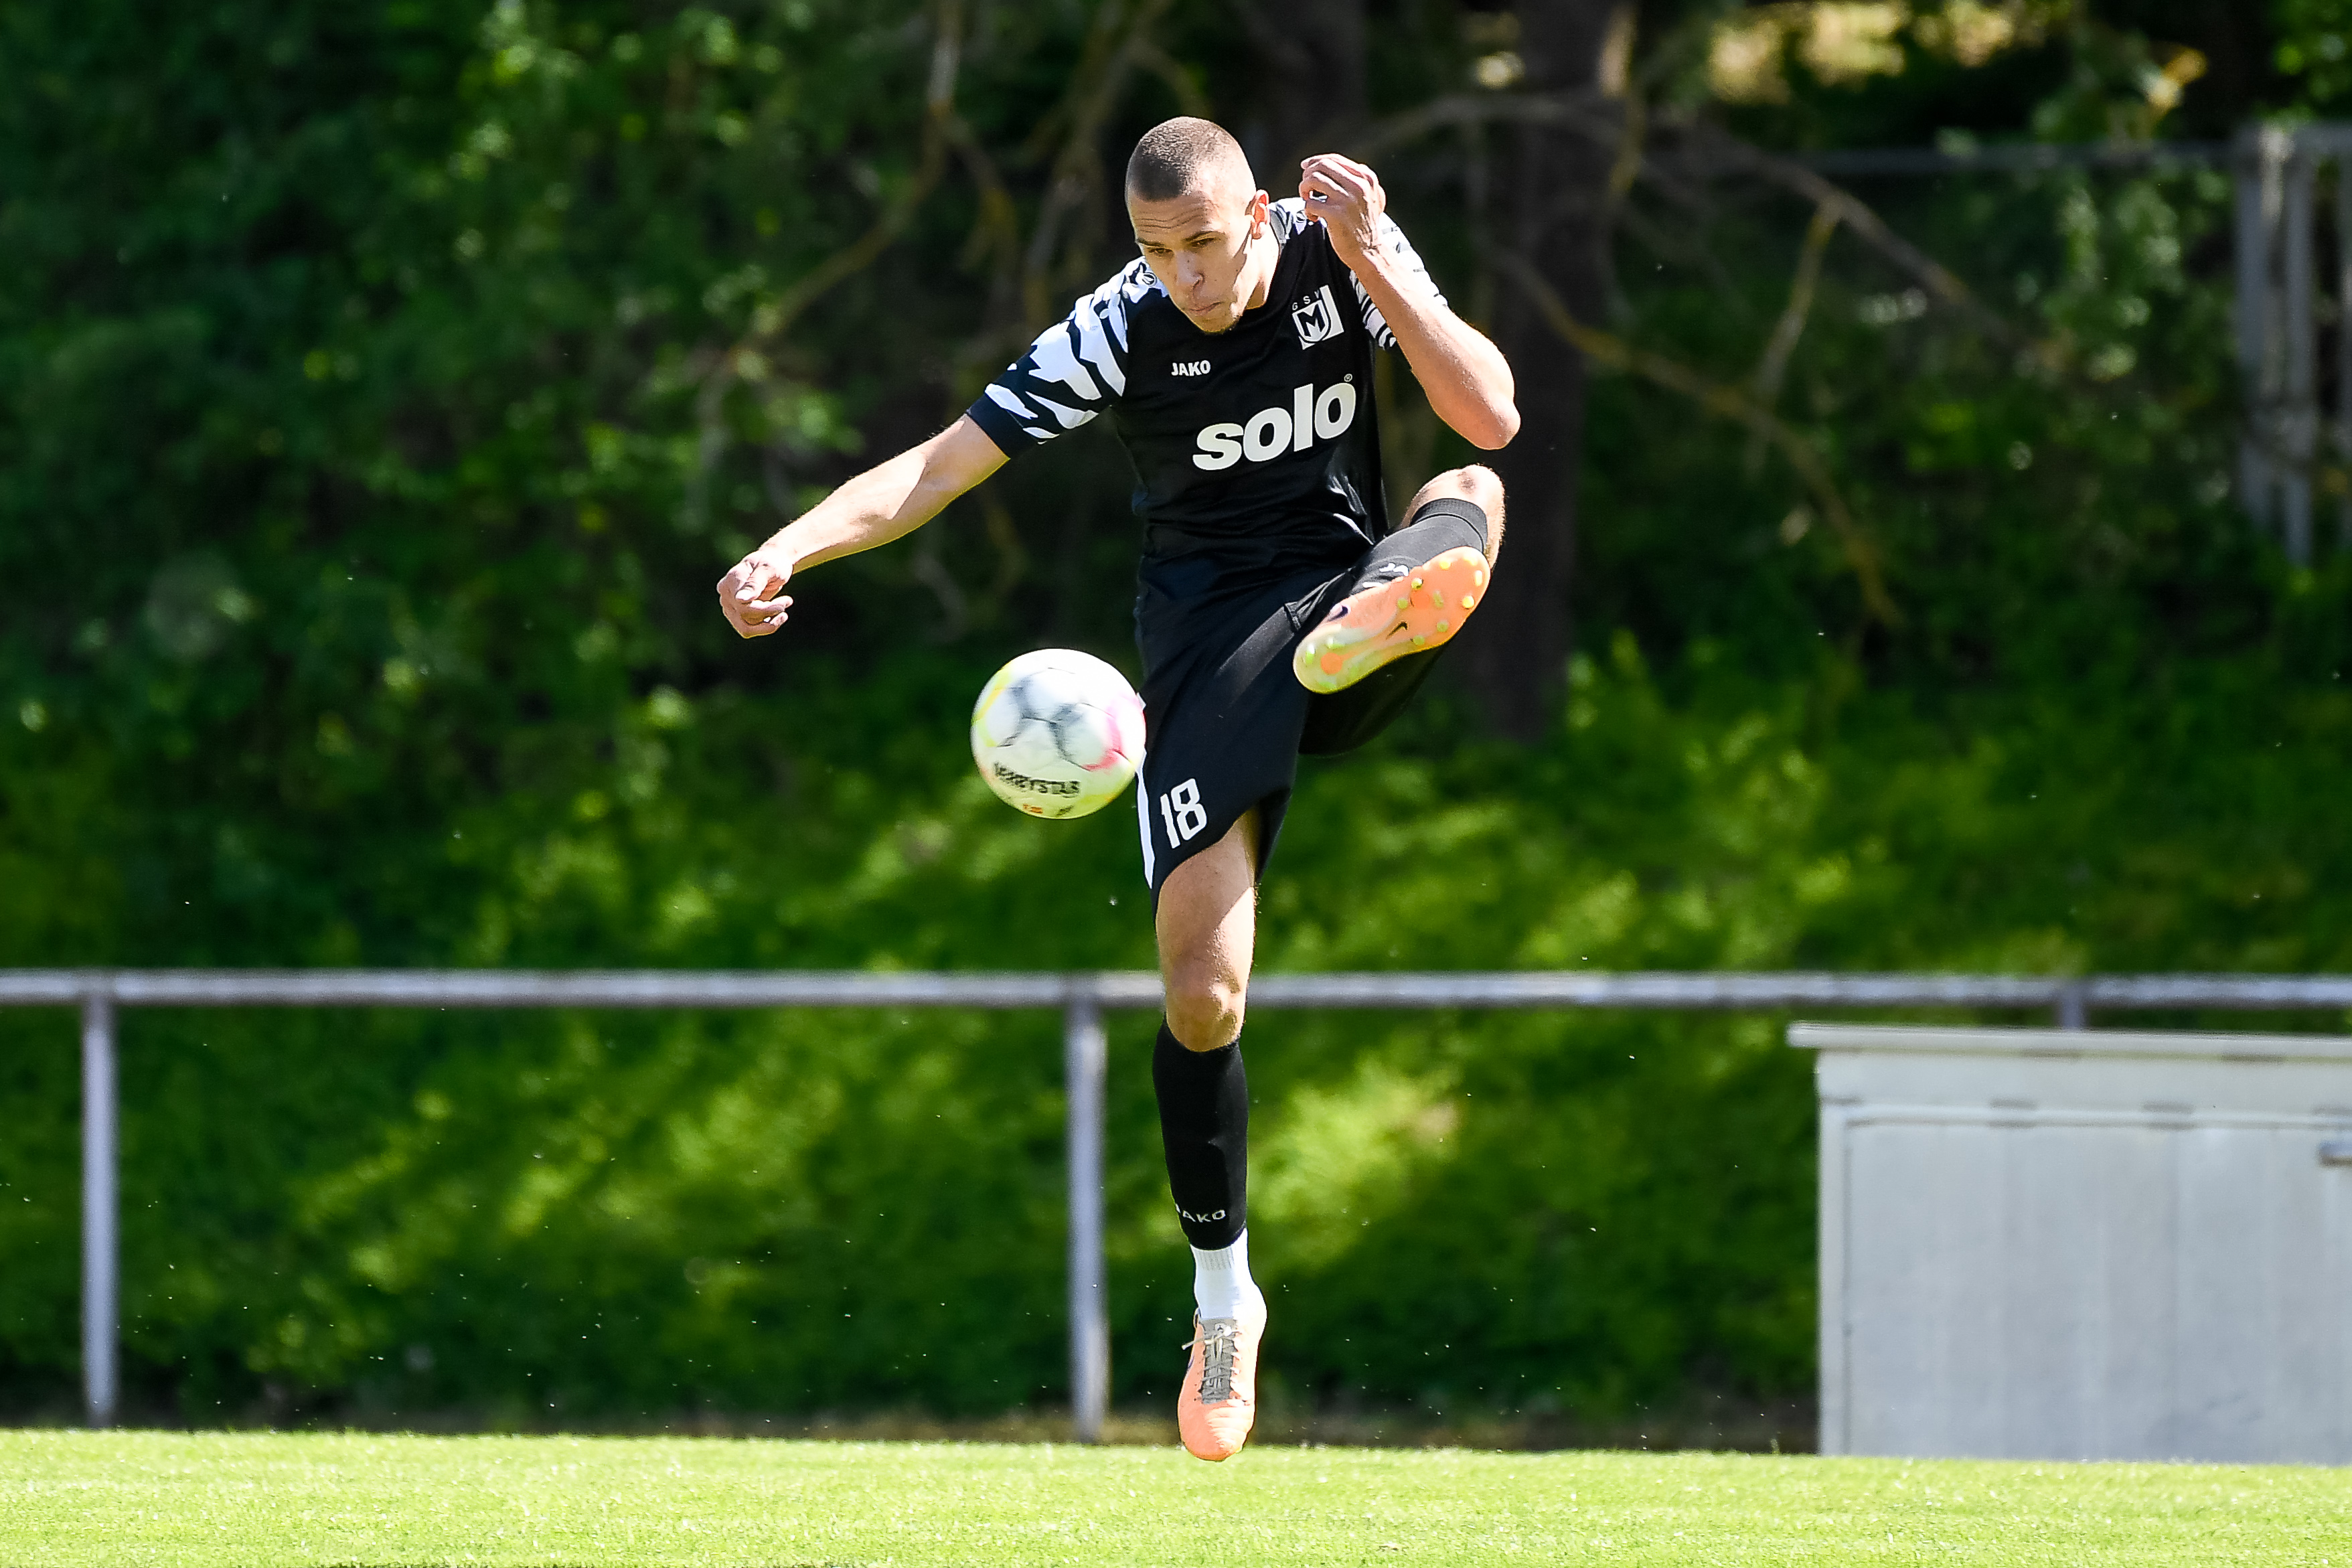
x: 1235, y: 358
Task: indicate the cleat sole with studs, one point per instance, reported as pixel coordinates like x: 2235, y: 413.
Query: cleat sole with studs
x: 1387, y: 621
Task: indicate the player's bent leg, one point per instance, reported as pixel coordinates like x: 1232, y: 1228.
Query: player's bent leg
x: 1207, y: 927
x: 1418, y: 588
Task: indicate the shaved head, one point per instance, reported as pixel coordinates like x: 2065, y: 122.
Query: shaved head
x: 1200, y: 221
x: 1179, y: 156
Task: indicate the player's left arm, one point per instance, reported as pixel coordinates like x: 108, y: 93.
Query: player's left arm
x: 1466, y: 377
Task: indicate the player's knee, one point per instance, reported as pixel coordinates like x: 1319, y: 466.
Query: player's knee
x: 1204, y: 1009
x: 1483, y: 488
x: 1478, y: 485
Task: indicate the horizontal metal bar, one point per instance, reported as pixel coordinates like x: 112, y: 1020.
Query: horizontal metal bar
x: 50, y: 987
x: 1656, y: 988
x: 1761, y: 991
x: 2246, y: 991
x: 572, y: 988
x: 2013, y: 156
x: 2325, y: 139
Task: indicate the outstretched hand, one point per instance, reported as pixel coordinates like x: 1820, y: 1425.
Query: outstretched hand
x: 1347, y: 198
x: 751, y: 594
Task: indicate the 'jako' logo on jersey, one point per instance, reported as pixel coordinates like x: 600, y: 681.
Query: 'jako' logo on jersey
x: 1189, y: 367
x: 1312, y: 415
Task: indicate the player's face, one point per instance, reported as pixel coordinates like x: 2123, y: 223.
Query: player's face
x: 1199, y: 246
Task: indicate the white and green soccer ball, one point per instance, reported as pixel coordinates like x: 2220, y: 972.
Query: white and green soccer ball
x: 1057, y: 734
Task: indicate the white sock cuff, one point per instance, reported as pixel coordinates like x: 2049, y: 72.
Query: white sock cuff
x: 1232, y: 1259
x: 1222, y: 1286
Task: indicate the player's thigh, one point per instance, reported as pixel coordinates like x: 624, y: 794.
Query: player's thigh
x: 1207, y: 926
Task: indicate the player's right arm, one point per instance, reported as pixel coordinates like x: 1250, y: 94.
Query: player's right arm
x: 1076, y: 370
x: 879, y: 505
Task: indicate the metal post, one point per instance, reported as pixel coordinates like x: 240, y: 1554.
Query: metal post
x: 1082, y: 1066
x: 2255, y: 173
x: 2300, y: 423
x: 2072, y: 1010
x: 2344, y: 340
x: 98, y: 1240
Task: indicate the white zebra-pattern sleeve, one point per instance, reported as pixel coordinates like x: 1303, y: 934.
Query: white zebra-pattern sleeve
x: 1075, y: 370
x: 1393, y: 241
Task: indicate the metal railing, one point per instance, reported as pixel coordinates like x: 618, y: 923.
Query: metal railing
x: 1082, y: 999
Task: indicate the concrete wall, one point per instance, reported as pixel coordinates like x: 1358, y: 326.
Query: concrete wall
x: 2085, y: 1245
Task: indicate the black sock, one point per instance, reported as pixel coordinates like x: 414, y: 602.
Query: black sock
x: 1204, y: 1127
x: 1446, y: 523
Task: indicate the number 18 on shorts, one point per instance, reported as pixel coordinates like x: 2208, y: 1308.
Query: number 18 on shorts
x: 1183, y: 815
x: 1179, y: 821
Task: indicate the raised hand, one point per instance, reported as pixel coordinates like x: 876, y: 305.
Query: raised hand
x: 1347, y: 198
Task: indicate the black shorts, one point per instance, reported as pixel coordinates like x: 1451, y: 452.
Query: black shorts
x: 1225, y: 721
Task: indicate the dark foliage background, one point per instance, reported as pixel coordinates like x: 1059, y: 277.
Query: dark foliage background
x: 383, y: 386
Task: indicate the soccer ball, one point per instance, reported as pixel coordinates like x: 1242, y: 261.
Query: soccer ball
x: 1057, y: 732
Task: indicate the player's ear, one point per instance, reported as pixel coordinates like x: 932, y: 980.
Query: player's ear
x: 1257, y: 205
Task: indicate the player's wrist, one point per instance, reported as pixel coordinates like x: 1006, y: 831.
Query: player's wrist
x: 1380, y: 276
x: 783, y: 552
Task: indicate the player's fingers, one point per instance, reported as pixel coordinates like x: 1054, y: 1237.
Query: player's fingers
x: 1323, y: 196
x: 1342, y: 170
x: 1342, y: 186
x: 758, y: 622
x: 759, y: 582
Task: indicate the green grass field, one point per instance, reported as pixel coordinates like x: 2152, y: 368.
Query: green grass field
x: 259, y: 1499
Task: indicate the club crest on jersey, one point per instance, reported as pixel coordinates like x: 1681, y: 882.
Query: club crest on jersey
x: 1318, y: 317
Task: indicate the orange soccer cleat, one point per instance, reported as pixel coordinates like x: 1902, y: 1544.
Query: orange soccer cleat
x: 1219, y: 1404
x: 1411, y: 612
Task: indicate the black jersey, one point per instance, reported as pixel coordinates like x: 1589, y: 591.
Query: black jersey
x: 1256, y: 455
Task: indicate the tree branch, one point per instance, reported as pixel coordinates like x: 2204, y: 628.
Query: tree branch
x: 1869, y: 227
x: 720, y: 370
x: 1728, y: 402
x: 775, y: 316
x: 1093, y: 91
x: 1182, y: 79
x: 1774, y: 367
x: 1584, y: 113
